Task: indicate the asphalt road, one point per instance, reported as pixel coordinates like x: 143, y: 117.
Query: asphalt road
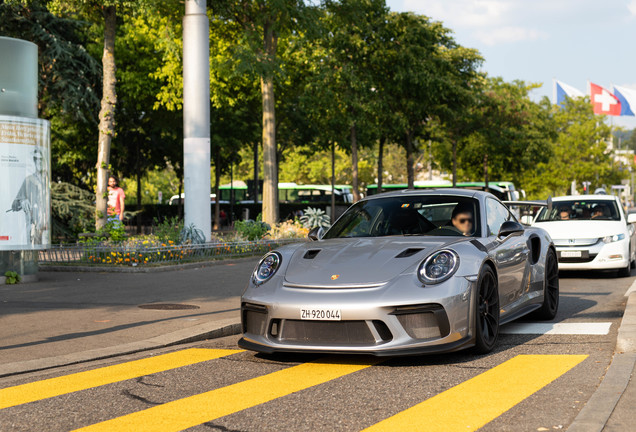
x: 243, y: 391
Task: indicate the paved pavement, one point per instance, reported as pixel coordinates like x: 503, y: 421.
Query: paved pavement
x: 72, y: 317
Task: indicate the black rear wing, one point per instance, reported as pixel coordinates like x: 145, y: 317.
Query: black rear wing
x: 526, y: 216
x: 538, y: 203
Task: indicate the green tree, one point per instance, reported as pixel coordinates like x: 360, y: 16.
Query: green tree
x: 580, y: 152
x: 263, y: 22
x: 512, y: 133
x: 350, y: 41
x: 149, y: 136
x: 427, y: 67
x: 68, y: 82
x: 104, y: 14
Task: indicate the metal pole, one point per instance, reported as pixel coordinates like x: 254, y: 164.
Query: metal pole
x: 196, y: 117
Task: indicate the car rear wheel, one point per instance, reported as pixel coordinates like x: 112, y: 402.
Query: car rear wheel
x: 550, y: 304
x: 487, y: 312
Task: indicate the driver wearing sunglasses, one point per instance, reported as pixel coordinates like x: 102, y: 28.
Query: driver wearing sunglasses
x: 462, y: 218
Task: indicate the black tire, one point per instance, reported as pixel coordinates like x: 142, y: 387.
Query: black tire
x: 550, y: 306
x: 625, y: 271
x: 486, y: 312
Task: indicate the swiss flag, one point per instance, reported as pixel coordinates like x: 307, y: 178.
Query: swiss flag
x: 604, y: 102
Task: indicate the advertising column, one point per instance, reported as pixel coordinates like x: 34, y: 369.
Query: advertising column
x: 25, y: 161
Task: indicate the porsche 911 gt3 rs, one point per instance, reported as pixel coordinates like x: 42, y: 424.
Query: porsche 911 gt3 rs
x: 405, y: 272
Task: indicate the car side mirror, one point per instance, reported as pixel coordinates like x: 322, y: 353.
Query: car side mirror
x: 631, y: 218
x: 316, y: 233
x: 510, y: 228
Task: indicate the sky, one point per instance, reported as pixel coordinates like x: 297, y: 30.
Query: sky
x: 574, y: 41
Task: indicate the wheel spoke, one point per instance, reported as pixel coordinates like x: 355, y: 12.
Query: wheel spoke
x: 490, y: 327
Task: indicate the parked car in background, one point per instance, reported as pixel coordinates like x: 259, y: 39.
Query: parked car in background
x: 405, y: 272
x: 590, y: 232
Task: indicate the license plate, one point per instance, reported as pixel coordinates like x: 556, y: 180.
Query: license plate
x: 322, y: 314
x: 571, y: 254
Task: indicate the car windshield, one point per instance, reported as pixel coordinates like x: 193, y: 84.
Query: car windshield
x: 580, y: 210
x: 429, y: 215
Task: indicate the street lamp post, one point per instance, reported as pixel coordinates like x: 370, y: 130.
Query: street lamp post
x: 196, y: 117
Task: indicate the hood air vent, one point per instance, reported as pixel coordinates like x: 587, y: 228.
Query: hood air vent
x: 311, y: 254
x: 409, y: 252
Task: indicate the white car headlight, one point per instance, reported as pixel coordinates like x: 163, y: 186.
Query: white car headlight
x: 266, y: 268
x: 438, y: 267
x: 613, y: 238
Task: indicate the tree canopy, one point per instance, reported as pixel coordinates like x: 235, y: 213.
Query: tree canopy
x: 289, y: 80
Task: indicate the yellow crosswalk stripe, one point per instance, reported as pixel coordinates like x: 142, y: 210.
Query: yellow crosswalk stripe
x: 38, y: 390
x: 473, y: 403
x: 194, y: 410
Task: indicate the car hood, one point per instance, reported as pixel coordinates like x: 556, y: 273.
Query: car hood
x: 359, y: 261
x: 587, y: 229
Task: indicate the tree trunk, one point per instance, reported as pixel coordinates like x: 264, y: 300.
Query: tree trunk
x: 255, y: 188
x: 106, y: 116
x: 333, y: 182
x: 217, y: 191
x: 138, y: 201
x: 270, y: 176
x: 354, y: 165
x: 380, y: 168
x: 454, y: 162
x: 486, y: 172
x: 410, y: 172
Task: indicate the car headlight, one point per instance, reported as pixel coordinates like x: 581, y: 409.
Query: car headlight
x: 438, y: 267
x: 613, y: 238
x: 266, y: 268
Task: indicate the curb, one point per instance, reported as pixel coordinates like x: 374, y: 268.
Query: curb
x: 597, y: 411
x: 626, y: 340
x: 213, y: 330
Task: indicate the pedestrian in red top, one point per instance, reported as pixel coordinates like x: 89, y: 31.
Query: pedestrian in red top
x: 116, y: 197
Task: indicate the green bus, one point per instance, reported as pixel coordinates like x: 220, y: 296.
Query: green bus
x: 287, y: 193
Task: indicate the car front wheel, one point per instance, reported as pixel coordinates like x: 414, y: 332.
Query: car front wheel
x: 487, y: 312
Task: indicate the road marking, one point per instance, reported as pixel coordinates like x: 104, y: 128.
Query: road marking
x: 38, y: 390
x: 631, y: 289
x: 557, y: 328
x: 195, y: 410
x: 473, y: 403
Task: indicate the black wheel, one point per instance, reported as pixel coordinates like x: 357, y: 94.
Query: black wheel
x: 487, y: 312
x: 625, y: 271
x: 550, y: 304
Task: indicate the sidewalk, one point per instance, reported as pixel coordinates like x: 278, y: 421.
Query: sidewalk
x: 611, y: 407
x: 70, y: 317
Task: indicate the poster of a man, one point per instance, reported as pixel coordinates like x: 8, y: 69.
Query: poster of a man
x: 25, y: 195
x: 32, y: 199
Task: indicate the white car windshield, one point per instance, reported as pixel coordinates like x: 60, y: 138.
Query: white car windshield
x: 580, y: 210
x: 429, y: 215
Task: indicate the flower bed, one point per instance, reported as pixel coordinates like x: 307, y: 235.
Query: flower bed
x: 153, y: 250
x: 152, y: 253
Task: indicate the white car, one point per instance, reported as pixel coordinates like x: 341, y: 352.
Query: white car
x: 590, y: 232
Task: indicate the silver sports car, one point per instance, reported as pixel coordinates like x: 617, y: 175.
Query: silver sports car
x: 404, y: 272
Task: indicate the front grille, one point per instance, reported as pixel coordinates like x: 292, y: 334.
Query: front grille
x: 254, y: 319
x: 420, y: 325
x: 254, y: 323
x: 325, y: 332
x: 423, y: 321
